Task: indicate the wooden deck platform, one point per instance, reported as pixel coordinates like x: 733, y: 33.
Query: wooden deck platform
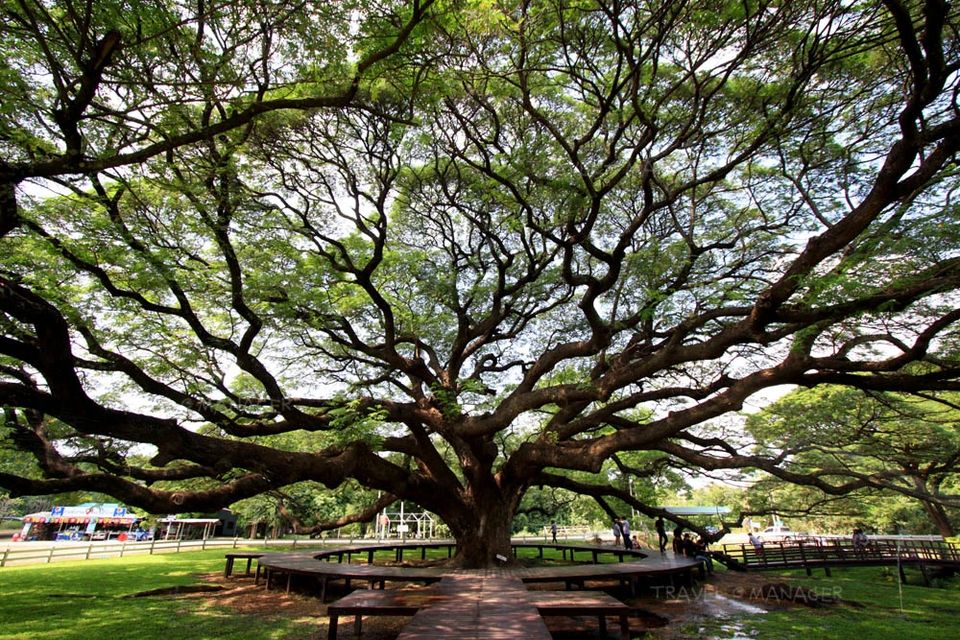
x: 409, y: 602
x: 478, y: 608
x: 484, y: 604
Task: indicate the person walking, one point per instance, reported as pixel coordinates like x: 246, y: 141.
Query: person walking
x: 661, y: 534
x: 553, y: 530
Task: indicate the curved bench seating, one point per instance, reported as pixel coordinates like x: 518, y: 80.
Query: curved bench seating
x: 478, y: 602
x: 318, y: 563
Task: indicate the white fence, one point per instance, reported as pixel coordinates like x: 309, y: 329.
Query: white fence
x: 19, y: 553
x: 22, y: 553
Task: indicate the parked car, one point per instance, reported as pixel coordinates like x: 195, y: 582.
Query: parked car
x: 777, y: 533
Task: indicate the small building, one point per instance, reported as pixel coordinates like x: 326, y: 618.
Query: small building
x: 174, y: 528
x: 222, y: 523
x: 228, y: 523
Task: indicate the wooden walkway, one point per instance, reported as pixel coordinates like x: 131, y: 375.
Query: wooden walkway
x: 809, y: 555
x: 485, y: 604
x: 409, y: 602
x: 478, y: 608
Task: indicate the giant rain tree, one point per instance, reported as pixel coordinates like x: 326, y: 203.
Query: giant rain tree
x: 454, y: 251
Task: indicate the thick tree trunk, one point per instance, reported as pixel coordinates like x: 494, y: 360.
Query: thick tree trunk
x: 938, y: 515
x: 935, y: 511
x: 485, y: 544
x: 482, y: 530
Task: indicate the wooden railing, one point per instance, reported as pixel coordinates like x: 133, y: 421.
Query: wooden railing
x: 808, y: 554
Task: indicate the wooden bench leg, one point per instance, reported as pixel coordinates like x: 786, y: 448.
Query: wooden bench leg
x: 332, y: 635
x: 358, y: 625
x: 249, y: 564
x: 228, y: 569
x: 624, y: 627
x: 603, y: 625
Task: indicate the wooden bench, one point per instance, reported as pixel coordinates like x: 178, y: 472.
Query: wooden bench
x: 583, y: 603
x: 324, y: 573
x: 370, y: 602
x: 594, y: 550
x: 406, y: 602
x: 249, y: 557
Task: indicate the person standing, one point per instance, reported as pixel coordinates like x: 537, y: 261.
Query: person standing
x: 860, y: 541
x: 757, y: 543
x: 678, y: 541
x: 616, y: 532
x: 661, y: 534
x: 553, y: 530
x: 625, y: 531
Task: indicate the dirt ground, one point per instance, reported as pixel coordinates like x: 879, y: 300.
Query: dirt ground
x: 727, y: 595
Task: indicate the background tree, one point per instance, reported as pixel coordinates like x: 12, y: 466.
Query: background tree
x: 468, y: 249
x: 847, y: 434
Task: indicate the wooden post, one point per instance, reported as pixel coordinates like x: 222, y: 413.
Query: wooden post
x: 3, y: 560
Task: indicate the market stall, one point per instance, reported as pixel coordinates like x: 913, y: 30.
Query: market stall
x: 88, y: 521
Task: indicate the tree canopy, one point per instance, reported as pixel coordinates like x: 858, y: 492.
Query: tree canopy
x: 904, y: 445
x: 452, y: 251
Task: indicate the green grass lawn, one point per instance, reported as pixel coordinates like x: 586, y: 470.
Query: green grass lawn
x: 929, y: 613
x: 83, y: 600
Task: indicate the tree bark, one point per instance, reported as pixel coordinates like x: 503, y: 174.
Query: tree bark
x: 484, y: 539
x: 935, y: 511
x: 938, y: 515
x: 481, y: 522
